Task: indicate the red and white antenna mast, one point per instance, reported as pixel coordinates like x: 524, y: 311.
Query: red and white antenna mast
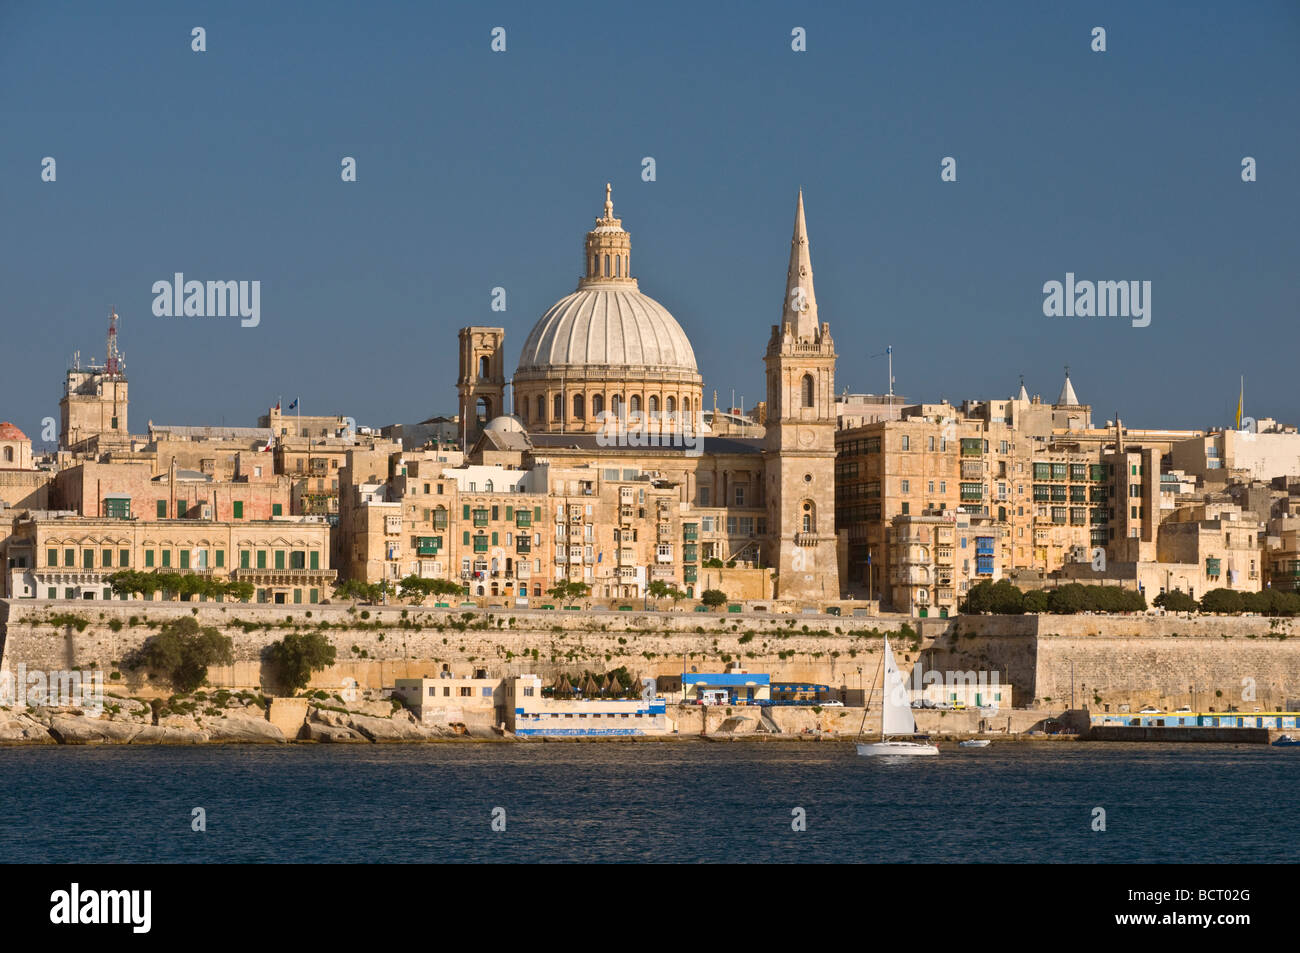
x: 113, y: 362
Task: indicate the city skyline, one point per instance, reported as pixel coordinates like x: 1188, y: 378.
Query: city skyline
x: 365, y: 282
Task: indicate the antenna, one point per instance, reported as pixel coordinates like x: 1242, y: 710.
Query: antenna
x: 113, y: 359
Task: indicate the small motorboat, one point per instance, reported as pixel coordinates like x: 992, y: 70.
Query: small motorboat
x: 1286, y: 741
x: 974, y: 743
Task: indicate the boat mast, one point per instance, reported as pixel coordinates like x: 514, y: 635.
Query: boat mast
x: 866, y: 706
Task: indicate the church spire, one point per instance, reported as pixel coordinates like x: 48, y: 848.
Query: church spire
x: 1068, y: 398
x: 800, y: 310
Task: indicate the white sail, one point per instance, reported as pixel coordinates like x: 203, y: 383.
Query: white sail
x: 896, y: 713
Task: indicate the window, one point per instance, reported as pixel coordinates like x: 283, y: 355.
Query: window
x: 906, y: 443
x: 182, y: 509
x: 239, y: 509
x: 148, y: 558
x: 51, y: 557
x: 162, y: 509
x: 740, y: 495
x: 277, y: 509
x: 907, y: 486
x: 166, y: 558
x: 106, y: 558
x: 117, y: 508
x: 807, y: 390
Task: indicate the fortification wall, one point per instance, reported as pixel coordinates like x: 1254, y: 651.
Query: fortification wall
x: 376, y: 645
x: 1137, y: 660
x: 1164, y: 661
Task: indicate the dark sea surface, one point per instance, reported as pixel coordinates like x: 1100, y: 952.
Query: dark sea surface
x: 649, y: 802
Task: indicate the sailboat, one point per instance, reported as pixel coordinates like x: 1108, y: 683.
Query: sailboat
x: 895, y: 717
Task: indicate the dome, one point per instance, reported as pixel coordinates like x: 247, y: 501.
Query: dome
x: 608, y: 327
x: 506, y: 423
x: 9, y: 432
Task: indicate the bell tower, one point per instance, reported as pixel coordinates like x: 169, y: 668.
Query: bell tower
x: 799, y: 449
x: 481, y: 384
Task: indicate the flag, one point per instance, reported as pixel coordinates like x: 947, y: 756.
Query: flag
x: 277, y: 406
x: 269, y: 438
x: 294, y: 404
x: 1241, y: 396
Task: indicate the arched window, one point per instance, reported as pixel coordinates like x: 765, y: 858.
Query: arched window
x: 809, y: 517
x: 616, y: 405
x: 578, y: 409
x: 541, y: 409
x: 593, y: 266
x: 9, y: 454
x: 634, y: 404
x: 672, y: 405
x: 606, y: 266
x: 807, y: 390
x: 557, y: 411
x: 627, y: 271
x: 618, y: 266
x: 654, y: 404
x: 597, y: 404
x: 483, y: 364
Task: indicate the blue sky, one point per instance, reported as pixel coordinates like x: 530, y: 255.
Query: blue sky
x: 479, y: 169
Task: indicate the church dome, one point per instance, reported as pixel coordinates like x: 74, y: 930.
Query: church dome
x: 606, y: 349
x: 506, y: 423
x: 608, y: 327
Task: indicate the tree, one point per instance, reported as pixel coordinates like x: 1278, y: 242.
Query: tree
x: 295, y: 657
x: 1006, y: 599
x: 359, y: 590
x: 185, y: 584
x: 1221, y: 600
x: 713, y: 598
x: 182, y: 651
x: 420, y: 588
x: 1035, y: 601
x: 569, y: 591
x: 1067, y: 599
x: 1176, y: 601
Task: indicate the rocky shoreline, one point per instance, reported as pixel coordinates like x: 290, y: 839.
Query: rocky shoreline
x: 237, y: 719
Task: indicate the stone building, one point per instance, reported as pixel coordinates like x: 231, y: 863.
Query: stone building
x: 61, y: 555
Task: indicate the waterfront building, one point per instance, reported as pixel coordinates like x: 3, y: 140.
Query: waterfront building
x: 448, y: 699
x: 528, y: 713
x: 735, y: 687
x: 64, y: 555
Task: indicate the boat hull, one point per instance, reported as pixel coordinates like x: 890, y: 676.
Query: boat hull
x: 895, y: 749
x: 977, y: 743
